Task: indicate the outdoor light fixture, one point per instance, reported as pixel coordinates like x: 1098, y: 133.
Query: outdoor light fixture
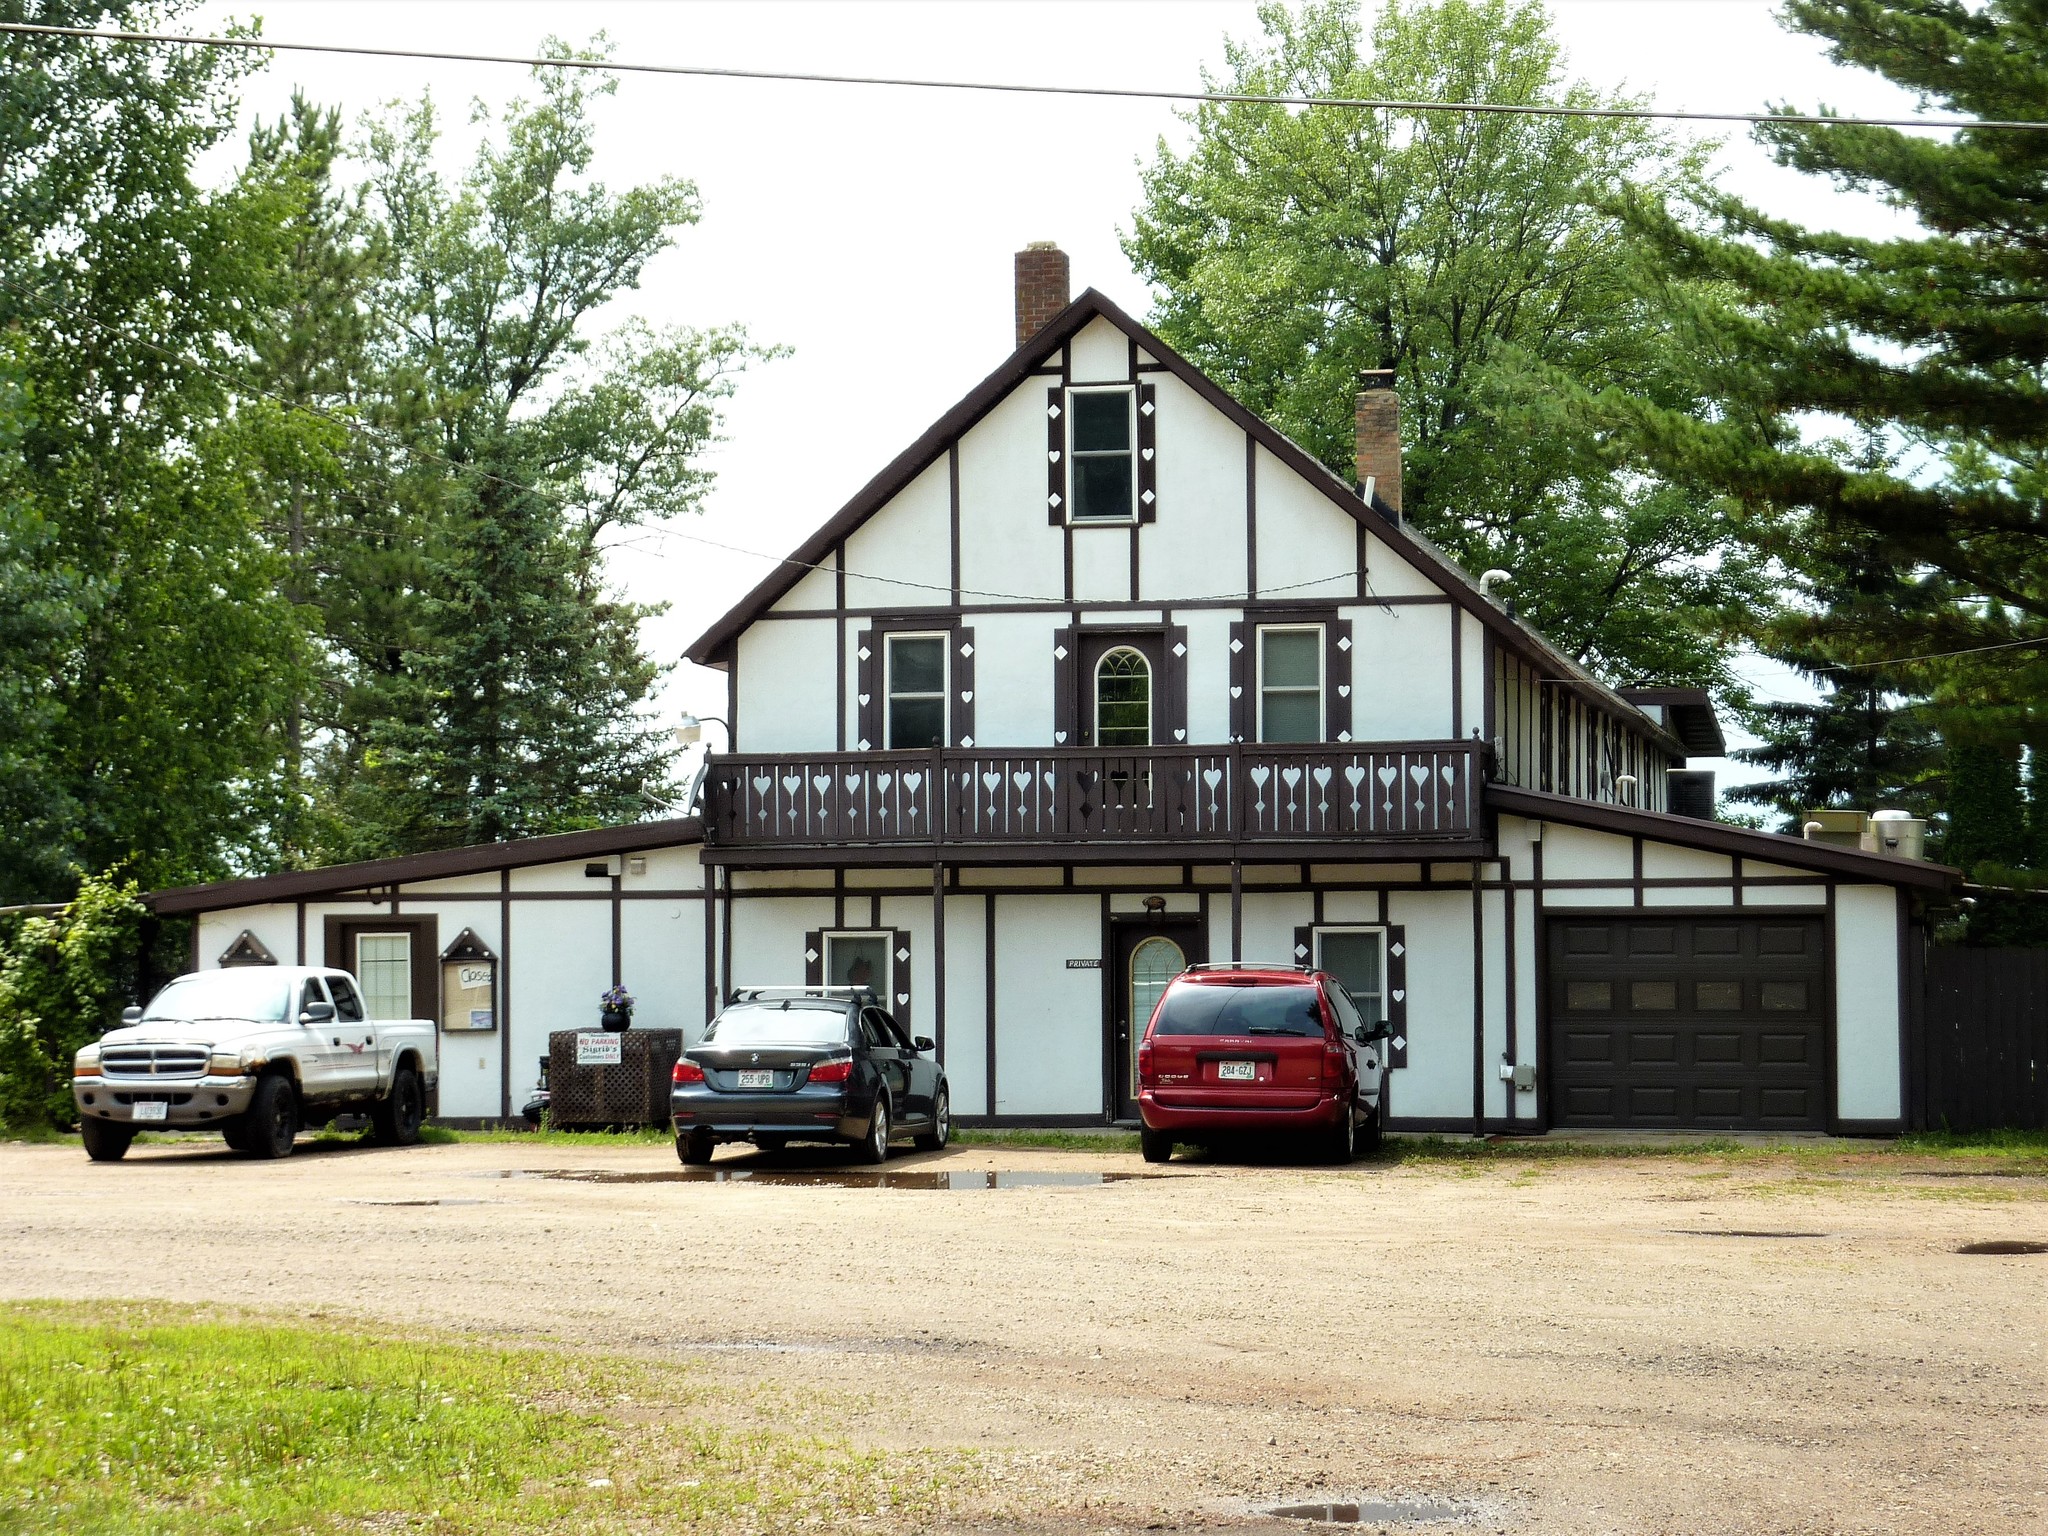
x: 1155, y: 904
x: 690, y: 730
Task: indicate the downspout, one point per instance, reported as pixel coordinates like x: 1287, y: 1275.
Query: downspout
x: 1478, y: 1004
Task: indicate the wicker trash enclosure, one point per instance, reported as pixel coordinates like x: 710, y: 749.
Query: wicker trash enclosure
x: 635, y: 1092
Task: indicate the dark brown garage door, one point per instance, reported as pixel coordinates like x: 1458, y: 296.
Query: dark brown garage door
x: 1662, y: 1023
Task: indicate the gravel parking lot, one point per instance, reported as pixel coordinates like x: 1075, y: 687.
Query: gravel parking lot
x: 1648, y: 1345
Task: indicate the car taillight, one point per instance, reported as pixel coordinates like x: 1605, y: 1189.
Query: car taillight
x: 1335, y: 1061
x: 832, y: 1071
x: 687, y: 1072
x: 1145, y: 1062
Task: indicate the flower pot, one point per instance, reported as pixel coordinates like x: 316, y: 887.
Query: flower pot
x: 616, y: 1019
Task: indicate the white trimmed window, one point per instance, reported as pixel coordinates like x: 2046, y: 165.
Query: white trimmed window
x: 914, y: 689
x: 1357, y: 957
x: 1102, y: 460
x: 1291, y: 683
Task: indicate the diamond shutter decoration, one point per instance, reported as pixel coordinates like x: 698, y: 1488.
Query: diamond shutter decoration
x: 1065, y: 695
x: 1304, y: 947
x: 1056, y: 457
x: 814, y: 958
x: 1148, y: 439
x: 868, y: 691
x: 1340, y: 679
x: 898, y: 1002
x: 1397, y: 997
x: 1175, y: 722
x: 961, y: 677
x: 1241, y: 716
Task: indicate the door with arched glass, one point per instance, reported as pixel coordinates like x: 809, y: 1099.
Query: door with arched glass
x: 1149, y: 954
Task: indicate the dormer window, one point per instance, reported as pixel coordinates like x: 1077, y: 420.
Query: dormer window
x: 1102, y: 455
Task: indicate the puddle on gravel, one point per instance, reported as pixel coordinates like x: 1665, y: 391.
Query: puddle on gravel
x: 826, y: 1178
x: 2004, y: 1245
x: 1395, y: 1512
x: 450, y: 1201
x: 1739, y: 1232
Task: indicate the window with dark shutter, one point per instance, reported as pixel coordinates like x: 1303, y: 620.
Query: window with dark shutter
x: 1101, y: 455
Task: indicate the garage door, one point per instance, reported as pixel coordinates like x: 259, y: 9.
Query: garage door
x: 1661, y: 1023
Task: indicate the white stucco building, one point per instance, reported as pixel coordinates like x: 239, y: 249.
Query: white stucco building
x: 1102, y: 675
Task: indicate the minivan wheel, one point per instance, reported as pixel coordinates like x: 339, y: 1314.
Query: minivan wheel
x: 694, y: 1147
x: 1370, y: 1142
x: 1155, y: 1146
x: 875, y: 1148
x: 941, y: 1132
x: 105, y: 1141
x: 1342, y: 1146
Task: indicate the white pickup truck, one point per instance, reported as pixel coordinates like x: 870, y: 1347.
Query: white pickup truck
x: 255, y: 1053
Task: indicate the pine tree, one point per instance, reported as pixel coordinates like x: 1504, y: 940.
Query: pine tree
x: 1927, y: 350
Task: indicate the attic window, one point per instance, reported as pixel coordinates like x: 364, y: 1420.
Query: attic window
x: 1103, y: 458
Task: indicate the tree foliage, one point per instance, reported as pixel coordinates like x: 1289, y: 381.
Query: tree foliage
x: 63, y: 982
x: 1889, y: 388
x: 1472, y: 254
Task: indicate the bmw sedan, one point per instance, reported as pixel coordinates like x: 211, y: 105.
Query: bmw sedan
x: 808, y: 1064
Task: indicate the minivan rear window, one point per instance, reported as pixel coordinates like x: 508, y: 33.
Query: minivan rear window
x: 1210, y: 1008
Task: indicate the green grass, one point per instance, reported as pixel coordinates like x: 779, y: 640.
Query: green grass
x: 129, y: 1420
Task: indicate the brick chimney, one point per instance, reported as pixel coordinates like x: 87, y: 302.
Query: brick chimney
x: 1041, y: 287
x: 1379, y: 436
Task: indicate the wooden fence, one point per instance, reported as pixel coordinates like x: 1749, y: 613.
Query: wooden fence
x: 1985, y: 1065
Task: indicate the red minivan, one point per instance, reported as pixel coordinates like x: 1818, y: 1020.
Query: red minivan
x: 1261, y: 1049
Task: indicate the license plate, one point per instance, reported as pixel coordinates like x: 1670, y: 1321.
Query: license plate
x: 761, y: 1078
x: 1237, y: 1071
x: 152, y: 1109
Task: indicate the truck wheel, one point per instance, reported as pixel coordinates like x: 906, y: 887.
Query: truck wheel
x: 395, y: 1121
x: 1155, y: 1146
x: 235, y: 1133
x: 694, y: 1147
x: 272, y: 1118
x: 105, y: 1141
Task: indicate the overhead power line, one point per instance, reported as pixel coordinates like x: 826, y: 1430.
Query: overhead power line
x: 1113, y: 92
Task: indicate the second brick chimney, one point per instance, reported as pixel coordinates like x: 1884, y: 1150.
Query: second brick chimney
x: 1379, y: 436
x: 1042, y: 282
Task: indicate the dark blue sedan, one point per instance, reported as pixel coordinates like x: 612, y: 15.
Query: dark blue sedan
x: 808, y: 1064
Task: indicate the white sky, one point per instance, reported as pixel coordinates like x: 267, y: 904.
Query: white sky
x: 871, y: 230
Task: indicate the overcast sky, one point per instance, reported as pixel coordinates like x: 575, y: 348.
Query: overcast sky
x: 870, y: 230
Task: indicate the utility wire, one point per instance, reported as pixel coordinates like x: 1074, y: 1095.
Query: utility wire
x: 1121, y: 93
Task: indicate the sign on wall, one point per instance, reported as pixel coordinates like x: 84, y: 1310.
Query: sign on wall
x: 598, y: 1050
x: 469, y: 986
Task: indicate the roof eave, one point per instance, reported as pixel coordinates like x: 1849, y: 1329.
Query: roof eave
x: 413, y: 868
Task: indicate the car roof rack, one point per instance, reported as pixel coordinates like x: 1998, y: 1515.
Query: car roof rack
x: 756, y: 994
x: 1252, y: 965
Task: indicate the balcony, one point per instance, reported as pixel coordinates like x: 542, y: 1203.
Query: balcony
x: 1081, y: 805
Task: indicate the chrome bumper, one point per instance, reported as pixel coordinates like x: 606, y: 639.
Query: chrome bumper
x: 196, y: 1104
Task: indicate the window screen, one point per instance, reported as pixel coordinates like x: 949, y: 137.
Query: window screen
x: 857, y: 960
x: 1100, y: 460
x: 384, y: 968
x: 917, y: 691
x: 1291, y: 683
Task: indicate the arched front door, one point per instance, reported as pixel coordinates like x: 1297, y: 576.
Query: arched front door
x: 1149, y: 954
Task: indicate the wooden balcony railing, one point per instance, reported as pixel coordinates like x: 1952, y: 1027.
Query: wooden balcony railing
x: 1423, y: 791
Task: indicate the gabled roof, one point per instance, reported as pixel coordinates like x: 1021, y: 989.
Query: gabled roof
x: 441, y: 864
x: 1688, y: 715
x: 1719, y: 837
x: 708, y: 649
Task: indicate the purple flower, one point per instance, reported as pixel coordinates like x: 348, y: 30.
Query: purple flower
x: 617, y: 1000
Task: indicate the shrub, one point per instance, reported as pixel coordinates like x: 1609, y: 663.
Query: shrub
x: 63, y: 982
